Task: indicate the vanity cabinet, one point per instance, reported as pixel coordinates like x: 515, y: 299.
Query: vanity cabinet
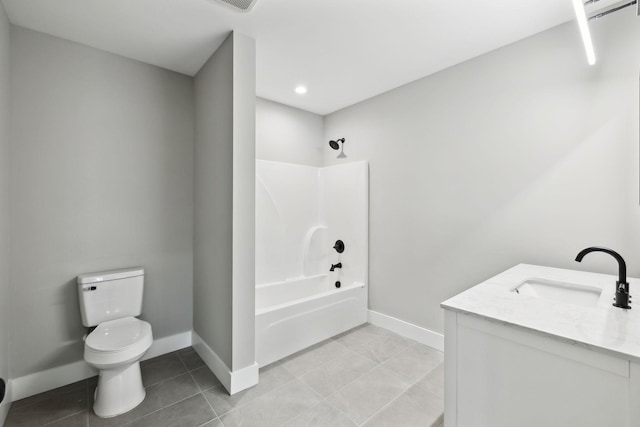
x: 497, y: 376
x: 507, y: 369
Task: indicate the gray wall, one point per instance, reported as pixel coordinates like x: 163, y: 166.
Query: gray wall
x: 4, y: 202
x: 287, y: 134
x: 224, y: 304
x: 101, y: 178
x: 525, y: 154
x: 212, y: 291
x: 244, y: 201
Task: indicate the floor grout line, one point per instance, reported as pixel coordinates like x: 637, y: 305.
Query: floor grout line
x: 351, y: 382
x: 205, y: 397
x: 309, y: 409
x: 63, y: 418
x: 158, y: 410
x: 207, y: 422
x: 164, y: 380
x: 386, y: 405
x: 412, y: 382
x: 182, y: 361
x: 333, y: 360
x: 259, y: 396
x: 428, y: 372
x: 342, y: 412
x: 195, y: 381
x: 326, y: 399
x: 399, y: 395
x: 376, y: 365
x: 286, y: 369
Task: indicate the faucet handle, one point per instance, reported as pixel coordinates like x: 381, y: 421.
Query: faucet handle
x: 622, y: 297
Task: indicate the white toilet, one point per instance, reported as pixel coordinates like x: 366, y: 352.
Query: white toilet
x: 110, y: 300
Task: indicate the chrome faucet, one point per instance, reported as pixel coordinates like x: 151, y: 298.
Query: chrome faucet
x: 334, y: 266
x: 622, y: 286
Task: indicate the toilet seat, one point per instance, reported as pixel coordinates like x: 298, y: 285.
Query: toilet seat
x: 118, y: 334
x: 117, y: 341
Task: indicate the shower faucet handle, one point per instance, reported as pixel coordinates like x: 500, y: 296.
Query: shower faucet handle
x: 339, y: 246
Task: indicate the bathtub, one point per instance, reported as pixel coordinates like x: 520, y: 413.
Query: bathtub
x: 295, y: 314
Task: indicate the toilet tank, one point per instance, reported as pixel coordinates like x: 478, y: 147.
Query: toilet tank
x: 109, y: 295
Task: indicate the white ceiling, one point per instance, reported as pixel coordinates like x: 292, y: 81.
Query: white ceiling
x: 345, y: 51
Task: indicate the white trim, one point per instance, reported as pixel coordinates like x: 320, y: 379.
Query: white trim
x: 168, y: 344
x: 42, y: 381
x: 213, y: 361
x: 6, y: 405
x: 244, y: 378
x: 406, y: 329
x: 451, y: 367
x: 232, y: 381
x: 38, y: 382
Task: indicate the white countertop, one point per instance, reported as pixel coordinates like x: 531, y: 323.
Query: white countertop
x: 603, y: 328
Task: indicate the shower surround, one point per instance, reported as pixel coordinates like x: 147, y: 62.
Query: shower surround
x: 301, y: 212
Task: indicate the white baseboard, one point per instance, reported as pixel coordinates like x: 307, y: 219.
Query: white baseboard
x: 233, y: 381
x: 168, y: 344
x: 42, y: 381
x: 409, y: 330
x: 39, y: 382
x: 244, y: 378
x: 6, y: 405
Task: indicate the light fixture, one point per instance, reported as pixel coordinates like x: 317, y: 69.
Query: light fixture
x: 301, y: 90
x: 239, y: 5
x: 581, y: 15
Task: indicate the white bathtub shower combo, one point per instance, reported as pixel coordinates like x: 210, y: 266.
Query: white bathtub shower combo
x: 301, y: 212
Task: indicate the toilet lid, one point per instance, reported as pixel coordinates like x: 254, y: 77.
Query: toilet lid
x: 116, y: 335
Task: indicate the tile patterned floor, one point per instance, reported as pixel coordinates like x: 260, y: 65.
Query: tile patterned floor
x: 367, y: 377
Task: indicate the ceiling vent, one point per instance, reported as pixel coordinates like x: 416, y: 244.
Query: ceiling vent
x: 241, y: 5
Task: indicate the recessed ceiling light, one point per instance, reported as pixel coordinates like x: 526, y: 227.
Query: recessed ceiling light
x: 301, y: 90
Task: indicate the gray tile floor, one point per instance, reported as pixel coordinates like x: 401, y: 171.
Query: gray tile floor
x: 367, y: 376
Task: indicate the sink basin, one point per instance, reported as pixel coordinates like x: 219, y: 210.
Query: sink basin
x: 569, y: 293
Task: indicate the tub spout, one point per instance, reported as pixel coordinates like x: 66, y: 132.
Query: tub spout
x: 334, y: 266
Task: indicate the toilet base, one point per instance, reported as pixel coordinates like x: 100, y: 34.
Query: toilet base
x: 119, y: 390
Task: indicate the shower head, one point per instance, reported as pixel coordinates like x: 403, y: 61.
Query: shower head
x: 334, y: 144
